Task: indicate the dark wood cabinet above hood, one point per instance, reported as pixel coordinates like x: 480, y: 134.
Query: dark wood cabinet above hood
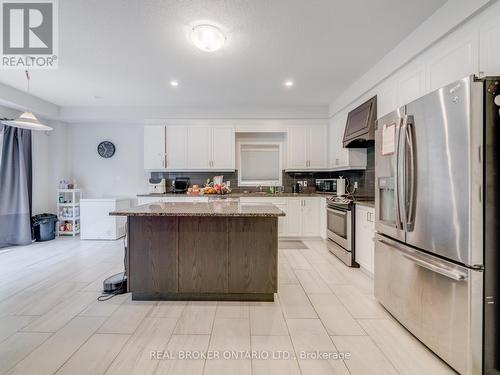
x: 360, y: 127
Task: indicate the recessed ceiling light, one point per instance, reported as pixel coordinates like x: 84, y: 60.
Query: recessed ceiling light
x: 288, y: 83
x: 208, y: 38
x: 174, y: 83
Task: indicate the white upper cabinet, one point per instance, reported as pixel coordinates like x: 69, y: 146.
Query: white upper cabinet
x: 410, y: 86
x: 458, y: 61
x: 223, y: 148
x: 177, y: 137
x: 199, y: 147
x: 154, y: 147
x: 307, y: 147
x: 341, y: 158
x: 190, y: 148
x: 297, y: 148
x: 318, y: 154
x: 490, y: 53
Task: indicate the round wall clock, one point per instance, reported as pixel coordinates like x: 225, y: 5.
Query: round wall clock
x: 106, y: 149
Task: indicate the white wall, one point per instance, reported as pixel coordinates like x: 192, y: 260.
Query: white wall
x: 122, y: 175
x: 469, y: 48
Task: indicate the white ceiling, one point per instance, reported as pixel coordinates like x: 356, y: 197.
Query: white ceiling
x: 127, y: 51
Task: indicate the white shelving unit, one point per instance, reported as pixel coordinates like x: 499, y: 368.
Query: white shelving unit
x: 68, y: 211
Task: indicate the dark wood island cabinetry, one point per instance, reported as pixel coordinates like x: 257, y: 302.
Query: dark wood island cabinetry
x: 203, y: 251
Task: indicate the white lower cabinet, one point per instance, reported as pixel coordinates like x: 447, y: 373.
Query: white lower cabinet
x: 310, y: 216
x: 364, y: 232
x: 303, y: 215
x: 294, y: 217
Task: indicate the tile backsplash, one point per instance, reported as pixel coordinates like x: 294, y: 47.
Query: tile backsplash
x: 364, y: 178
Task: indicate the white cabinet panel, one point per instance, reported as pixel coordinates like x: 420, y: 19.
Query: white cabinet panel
x: 410, y: 87
x: 386, y: 99
x: 340, y: 157
x: 364, y: 232
x: 294, y: 221
x: 307, y: 147
x: 490, y: 53
x: 223, y: 148
x: 297, y: 153
x: 318, y: 156
x: 154, y: 147
x: 455, y: 63
x: 199, y: 147
x: 176, y: 147
x: 310, y: 217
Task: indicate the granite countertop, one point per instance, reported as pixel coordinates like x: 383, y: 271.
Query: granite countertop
x: 237, y: 195
x: 217, y: 208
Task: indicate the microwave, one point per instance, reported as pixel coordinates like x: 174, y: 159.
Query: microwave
x: 328, y: 185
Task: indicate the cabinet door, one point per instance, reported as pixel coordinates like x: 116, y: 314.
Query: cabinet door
x: 223, y: 148
x: 363, y: 237
x: 297, y: 153
x: 490, y: 53
x: 198, y: 149
x: 154, y: 147
x: 338, y: 153
x: 455, y: 63
x: 176, y: 147
x: 310, y: 217
x: 294, y: 217
x: 317, y: 150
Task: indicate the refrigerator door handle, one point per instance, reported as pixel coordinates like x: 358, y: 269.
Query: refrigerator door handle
x: 455, y: 275
x: 400, y: 176
x: 420, y: 260
x: 409, y: 141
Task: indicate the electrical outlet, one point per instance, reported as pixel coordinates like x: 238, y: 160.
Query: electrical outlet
x: 305, y: 183
x: 355, y: 184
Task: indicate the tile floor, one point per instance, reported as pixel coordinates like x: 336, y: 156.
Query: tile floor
x: 50, y: 321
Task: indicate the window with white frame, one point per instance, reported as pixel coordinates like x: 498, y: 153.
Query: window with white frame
x: 259, y: 164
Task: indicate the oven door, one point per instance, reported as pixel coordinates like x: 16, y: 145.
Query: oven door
x: 339, y: 226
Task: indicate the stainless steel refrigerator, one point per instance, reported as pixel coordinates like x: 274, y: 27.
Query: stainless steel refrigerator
x: 436, y: 221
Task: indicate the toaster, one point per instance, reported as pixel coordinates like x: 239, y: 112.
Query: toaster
x: 157, y: 186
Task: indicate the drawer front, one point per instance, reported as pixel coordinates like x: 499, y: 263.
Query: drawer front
x: 433, y: 299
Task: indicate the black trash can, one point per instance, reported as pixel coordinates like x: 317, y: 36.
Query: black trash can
x: 44, y: 227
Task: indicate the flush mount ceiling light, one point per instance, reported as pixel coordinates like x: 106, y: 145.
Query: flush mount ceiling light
x: 174, y: 83
x: 288, y: 83
x: 27, y: 120
x: 208, y: 38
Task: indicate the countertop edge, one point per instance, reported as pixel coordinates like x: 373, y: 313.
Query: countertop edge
x: 193, y: 214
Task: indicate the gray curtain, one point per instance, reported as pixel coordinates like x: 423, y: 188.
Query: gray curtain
x: 15, y: 187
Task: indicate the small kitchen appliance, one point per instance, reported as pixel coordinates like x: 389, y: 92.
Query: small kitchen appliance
x: 181, y: 185
x: 341, y: 186
x: 157, y: 186
x: 328, y: 185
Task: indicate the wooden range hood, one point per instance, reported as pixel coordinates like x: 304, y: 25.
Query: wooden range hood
x: 360, y: 126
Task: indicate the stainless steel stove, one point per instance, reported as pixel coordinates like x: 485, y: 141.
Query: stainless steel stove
x: 340, y: 229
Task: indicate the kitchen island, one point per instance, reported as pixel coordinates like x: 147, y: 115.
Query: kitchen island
x: 202, y: 251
